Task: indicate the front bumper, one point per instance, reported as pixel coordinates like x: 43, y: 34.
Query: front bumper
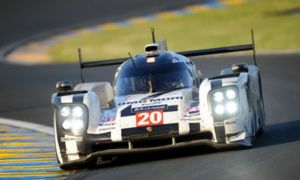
x: 139, y: 140
x: 125, y: 151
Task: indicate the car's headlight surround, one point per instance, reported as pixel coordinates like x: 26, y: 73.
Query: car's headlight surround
x: 224, y: 102
x: 73, y: 118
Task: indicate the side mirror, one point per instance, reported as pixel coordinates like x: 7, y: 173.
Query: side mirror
x: 64, y: 86
x: 241, y: 67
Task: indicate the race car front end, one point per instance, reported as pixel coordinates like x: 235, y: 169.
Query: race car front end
x: 86, y: 132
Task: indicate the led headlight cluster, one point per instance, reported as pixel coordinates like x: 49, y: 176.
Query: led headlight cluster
x: 73, y: 118
x: 224, y: 101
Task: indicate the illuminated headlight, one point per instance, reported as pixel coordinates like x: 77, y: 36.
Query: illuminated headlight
x: 230, y: 94
x: 77, y: 126
x: 218, y: 96
x: 224, y: 102
x: 77, y: 111
x: 231, y: 107
x: 65, y: 111
x: 66, y: 124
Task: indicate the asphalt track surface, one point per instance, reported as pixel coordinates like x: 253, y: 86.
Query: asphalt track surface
x: 25, y: 94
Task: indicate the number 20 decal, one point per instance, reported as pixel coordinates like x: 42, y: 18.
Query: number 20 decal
x: 149, y: 118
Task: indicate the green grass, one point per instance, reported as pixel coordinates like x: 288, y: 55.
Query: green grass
x: 274, y: 30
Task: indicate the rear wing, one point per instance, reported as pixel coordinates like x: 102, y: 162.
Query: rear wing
x: 193, y: 53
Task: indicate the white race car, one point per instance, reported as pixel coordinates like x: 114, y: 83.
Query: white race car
x: 159, y: 100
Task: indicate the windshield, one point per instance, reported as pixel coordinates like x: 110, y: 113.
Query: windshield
x: 153, y: 79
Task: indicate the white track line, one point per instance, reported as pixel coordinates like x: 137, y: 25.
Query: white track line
x: 27, y: 125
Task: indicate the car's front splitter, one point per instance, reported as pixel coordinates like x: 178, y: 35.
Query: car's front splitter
x: 81, y: 163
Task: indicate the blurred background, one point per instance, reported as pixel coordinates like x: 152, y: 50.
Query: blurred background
x: 276, y: 25
x: 112, y: 29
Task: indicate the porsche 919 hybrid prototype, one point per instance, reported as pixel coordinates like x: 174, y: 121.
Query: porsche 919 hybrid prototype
x: 158, y: 101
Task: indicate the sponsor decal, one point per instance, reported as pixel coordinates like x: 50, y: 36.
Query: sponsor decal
x: 107, y: 120
x: 106, y: 128
x: 230, y: 122
x: 192, y: 114
x: 192, y: 117
x: 217, y: 124
x: 150, y: 100
x: 108, y: 117
x: 71, y: 138
x: 147, y: 108
x: 131, y: 111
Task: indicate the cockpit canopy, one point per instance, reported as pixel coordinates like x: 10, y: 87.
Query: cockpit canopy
x: 164, y: 74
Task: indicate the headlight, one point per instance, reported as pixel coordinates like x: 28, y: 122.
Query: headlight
x: 218, y: 96
x: 67, y: 124
x: 224, y: 102
x: 77, y: 126
x: 65, y: 111
x: 231, y: 107
x: 77, y: 111
x: 73, y: 118
x: 230, y: 94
